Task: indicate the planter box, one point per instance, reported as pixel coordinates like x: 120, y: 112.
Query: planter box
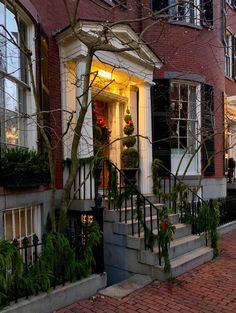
x: 60, y: 297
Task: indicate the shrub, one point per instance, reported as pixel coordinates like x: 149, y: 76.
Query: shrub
x: 129, y: 141
x: 129, y: 158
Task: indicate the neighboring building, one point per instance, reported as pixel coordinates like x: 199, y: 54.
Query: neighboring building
x: 189, y: 94
x: 182, y: 113
x: 230, y: 76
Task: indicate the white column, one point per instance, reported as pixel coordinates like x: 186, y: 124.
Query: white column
x: 86, y: 142
x: 68, y: 104
x: 115, y: 125
x: 145, y: 146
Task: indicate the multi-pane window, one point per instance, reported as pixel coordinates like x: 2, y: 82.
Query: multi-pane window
x: 231, y: 2
x: 13, y: 78
x: 187, y: 11
x: 22, y: 222
x: 229, y: 54
x: 183, y: 116
x: 195, y: 12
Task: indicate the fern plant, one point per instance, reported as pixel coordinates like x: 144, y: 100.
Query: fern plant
x: 11, y: 271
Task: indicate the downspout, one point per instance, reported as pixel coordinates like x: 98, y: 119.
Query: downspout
x: 39, y: 70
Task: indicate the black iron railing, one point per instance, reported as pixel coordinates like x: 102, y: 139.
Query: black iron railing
x: 227, y: 209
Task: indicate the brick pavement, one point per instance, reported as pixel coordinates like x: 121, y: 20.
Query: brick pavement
x: 206, y: 289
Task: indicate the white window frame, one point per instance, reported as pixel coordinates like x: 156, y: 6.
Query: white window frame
x: 189, y: 120
x: 229, y: 54
x: 34, y: 224
x: 185, y: 12
x: 22, y: 126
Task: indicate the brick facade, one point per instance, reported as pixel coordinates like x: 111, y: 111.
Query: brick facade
x: 184, y: 49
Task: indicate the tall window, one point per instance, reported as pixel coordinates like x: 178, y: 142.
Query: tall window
x: 13, y: 79
x: 183, y: 116
x: 230, y: 55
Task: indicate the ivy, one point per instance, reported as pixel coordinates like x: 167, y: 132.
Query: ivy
x: 165, y: 236
x: 208, y: 220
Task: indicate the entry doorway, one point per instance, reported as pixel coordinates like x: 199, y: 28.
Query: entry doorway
x: 101, y: 135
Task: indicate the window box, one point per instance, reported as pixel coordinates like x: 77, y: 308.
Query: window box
x: 21, y: 168
x: 20, y: 180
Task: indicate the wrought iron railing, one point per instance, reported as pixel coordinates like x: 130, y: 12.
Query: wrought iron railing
x: 183, y: 201
x: 124, y: 196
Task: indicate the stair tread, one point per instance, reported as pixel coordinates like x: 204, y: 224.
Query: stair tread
x: 184, y: 239
x: 177, y: 226
x: 182, y: 259
x: 147, y: 205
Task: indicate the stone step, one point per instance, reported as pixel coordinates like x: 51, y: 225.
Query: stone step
x: 184, y: 263
x: 177, y: 248
x: 136, y: 242
x: 126, y: 214
x: 190, y: 260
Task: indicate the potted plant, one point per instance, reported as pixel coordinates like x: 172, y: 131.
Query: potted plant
x: 231, y: 168
x: 23, y: 168
x: 129, y: 155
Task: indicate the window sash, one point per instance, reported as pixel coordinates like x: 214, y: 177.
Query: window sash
x: 13, y: 80
x: 184, y: 122
x: 186, y: 12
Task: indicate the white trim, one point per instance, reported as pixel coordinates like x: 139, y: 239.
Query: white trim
x: 121, y: 34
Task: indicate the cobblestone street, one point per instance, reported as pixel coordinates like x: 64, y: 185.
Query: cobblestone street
x: 208, y: 288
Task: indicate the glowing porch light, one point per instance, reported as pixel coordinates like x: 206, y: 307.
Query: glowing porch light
x: 105, y: 74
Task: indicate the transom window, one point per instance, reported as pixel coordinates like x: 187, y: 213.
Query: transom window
x: 13, y: 79
x: 183, y: 117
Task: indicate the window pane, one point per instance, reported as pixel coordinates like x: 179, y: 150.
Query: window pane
x: 184, y: 92
x: 17, y: 223
x: 12, y: 128
x: 2, y: 92
x: 11, y: 96
x: 174, y: 91
x: 13, y: 52
x: 2, y: 38
x: 29, y: 221
x: 9, y: 227
x: 22, y: 221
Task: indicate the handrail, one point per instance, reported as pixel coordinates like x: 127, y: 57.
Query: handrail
x: 180, y: 180
x: 142, y: 206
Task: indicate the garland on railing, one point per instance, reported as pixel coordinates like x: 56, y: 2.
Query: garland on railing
x: 208, y: 220
x: 165, y: 236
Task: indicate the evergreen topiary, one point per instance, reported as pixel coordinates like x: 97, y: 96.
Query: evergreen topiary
x: 130, y: 155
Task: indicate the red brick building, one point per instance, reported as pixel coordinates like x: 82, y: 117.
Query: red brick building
x: 182, y: 113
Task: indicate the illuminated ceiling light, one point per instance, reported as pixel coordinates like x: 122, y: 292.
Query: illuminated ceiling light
x: 105, y: 74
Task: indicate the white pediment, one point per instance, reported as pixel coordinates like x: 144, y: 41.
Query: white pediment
x: 121, y: 39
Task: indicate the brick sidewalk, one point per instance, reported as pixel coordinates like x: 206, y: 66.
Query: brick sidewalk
x: 206, y: 289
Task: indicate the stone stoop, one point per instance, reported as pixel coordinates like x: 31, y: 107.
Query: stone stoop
x: 125, y: 254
